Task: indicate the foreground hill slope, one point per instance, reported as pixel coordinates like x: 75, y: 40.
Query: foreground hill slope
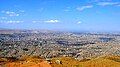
x: 109, y: 61
x: 25, y: 62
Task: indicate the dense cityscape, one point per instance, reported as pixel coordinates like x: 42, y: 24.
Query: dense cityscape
x: 51, y: 44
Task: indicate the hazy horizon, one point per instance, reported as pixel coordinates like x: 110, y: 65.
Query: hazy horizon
x: 63, y: 15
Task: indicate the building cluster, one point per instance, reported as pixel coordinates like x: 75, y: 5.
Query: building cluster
x: 56, y: 44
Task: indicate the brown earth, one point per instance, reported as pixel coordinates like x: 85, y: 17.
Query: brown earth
x: 107, y: 61
x: 111, y: 61
x: 28, y: 62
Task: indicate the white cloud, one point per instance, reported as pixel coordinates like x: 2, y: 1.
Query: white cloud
x: 107, y: 3
x: 45, y: 21
x: 79, y: 22
x: 84, y: 7
x: 10, y: 13
x: 22, y: 11
x: 11, y: 21
x: 52, y: 21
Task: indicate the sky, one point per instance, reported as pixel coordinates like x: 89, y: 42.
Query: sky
x: 64, y: 15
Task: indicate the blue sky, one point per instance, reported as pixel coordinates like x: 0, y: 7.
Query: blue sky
x: 66, y: 15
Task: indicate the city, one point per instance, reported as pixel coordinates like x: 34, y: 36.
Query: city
x: 59, y: 33
x: 16, y: 44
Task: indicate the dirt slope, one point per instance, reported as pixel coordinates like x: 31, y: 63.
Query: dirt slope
x: 26, y: 62
x: 109, y: 61
x: 97, y: 62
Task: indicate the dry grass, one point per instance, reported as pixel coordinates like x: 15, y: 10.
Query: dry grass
x: 24, y: 62
x: 98, y: 62
x: 108, y: 61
